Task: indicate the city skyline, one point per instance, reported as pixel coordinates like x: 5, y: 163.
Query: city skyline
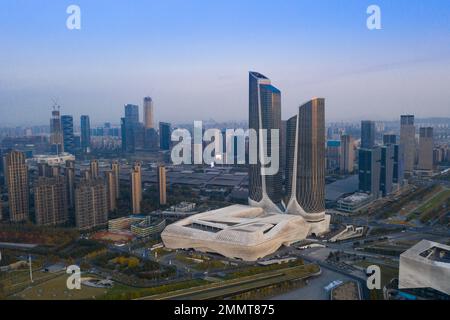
x: 200, y: 69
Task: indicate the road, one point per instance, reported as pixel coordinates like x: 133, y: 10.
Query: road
x: 315, y: 288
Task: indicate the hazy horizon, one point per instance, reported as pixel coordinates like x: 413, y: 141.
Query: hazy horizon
x: 193, y: 57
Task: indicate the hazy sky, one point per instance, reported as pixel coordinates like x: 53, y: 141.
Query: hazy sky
x: 193, y: 56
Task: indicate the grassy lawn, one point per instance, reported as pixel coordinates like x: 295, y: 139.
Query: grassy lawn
x: 122, y: 292
x: 431, y: 203
x: 56, y: 289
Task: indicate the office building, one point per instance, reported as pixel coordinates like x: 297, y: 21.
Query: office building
x: 165, y: 138
x: 132, y: 113
x: 264, y: 113
x: 306, y: 165
x: 136, y: 188
x: 91, y: 207
x: 389, y: 139
x: 387, y: 169
x: 425, y: 265
x: 370, y: 171
x: 333, y: 155
x: 408, y: 141
x: 162, y: 185
x: 85, y: 133
x: 16, y: 178
x: 50, y: 201
x: 426, y: 149
x: 68, y: 135
x: 399, y: 165
x: 367, y: 134
x: 148, y: 113
x: 133, y: 132
x: 347, y: 158
x: 56, y: 132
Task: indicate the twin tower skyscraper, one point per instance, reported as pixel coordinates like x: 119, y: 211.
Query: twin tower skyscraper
x: 303, y: 136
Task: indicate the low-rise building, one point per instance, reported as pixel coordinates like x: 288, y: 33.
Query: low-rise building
x: 354, y: 202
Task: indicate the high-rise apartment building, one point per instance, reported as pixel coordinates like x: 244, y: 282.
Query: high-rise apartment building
x: 85, y: 133
x: 16, y: 178
x: 50, y: 201
x: 408, y: 141
x: 162, y: 187
x: 164, y: 135
x: 149, y: 120
x: 367, y: 134
x: 264, y: 113
x: 115, y: 167
x: 110, y: 180
x: 68, y: 136
x: 94, y: 170
x: 426, y: 148
x: 347, y: 158
x: 91, y: 204
x: 70, y: 180
x: 136, y: 188
x: 305, y: 171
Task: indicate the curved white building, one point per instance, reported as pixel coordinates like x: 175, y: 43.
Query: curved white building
x: 238, y: 231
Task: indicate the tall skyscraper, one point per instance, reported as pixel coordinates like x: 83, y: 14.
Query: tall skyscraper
x: 264, y: 113
x: 110, y: 180
x: 16, y: 175
x: 132, y: 113
x: 131, y: 128
x: 408, y: 141
x: 164, y: 135
x: 56, y: 132
x: 162, y: 188
x: 426, y: 148
x: 387, y: 169
x: 85, y: 133
x: 91, y: 207
x: 94, y: 169
x: 347, y: 154
x: 50, y: 201
x: 149, y: 120
x: 367, y: 134
x: 115, y: 167
x: 68, y: 136
x: 399, y: 165
x: 370, y: 171
x: 306, y: 162
x: 136, y: 188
